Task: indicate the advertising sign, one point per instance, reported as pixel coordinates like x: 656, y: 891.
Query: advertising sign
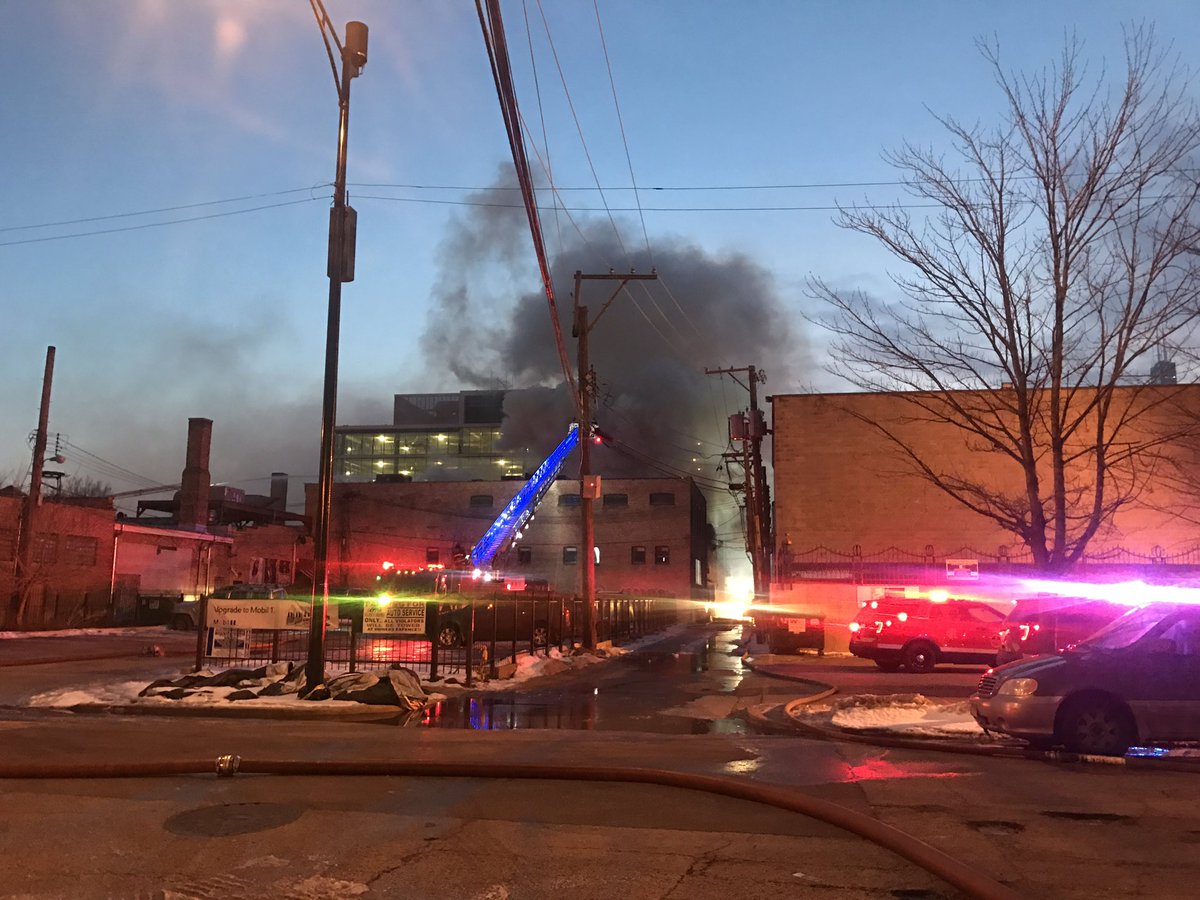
x: 394, y: 617
x: 270, y: 614
x: 962, y: 569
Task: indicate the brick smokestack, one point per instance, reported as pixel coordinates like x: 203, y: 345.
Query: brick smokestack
x: 193, y: 489
x: 279, y: 490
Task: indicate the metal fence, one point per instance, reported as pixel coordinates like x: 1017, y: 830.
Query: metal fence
x: 466, y: 642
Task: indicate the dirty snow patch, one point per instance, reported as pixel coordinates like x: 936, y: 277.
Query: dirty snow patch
x: 911, y: 715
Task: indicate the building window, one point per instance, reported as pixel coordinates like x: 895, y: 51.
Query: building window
x: 79, y: 550
x: 570, y: 555
x: 432, y: 556
x: 524, y: 555
x: 568, y: 499
x: 481, y: 501
x: 45, y: 548
x: 637, y: 556
x: 662, y: 555
x: 616, y: 500
x: 662, y: 498
x: 8, y: 544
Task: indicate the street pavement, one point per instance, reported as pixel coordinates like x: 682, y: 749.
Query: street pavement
x: 1046, y: 830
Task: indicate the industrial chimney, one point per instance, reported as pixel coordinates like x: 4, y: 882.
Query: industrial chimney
x: 193, y: 488
x: 279, y: 490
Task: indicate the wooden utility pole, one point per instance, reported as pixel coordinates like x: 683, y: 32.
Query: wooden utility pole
x: 589, y: 485
x: 25, y: 533
x: 759, y: 540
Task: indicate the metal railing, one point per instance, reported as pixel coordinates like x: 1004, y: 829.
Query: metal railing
x: 464, y: 642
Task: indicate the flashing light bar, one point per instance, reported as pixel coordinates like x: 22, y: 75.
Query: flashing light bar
x: 521, y: 507
x: 1123, y: 593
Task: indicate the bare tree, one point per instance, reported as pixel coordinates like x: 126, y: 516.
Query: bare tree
x: 1057, y: 259
x: 85, y: 486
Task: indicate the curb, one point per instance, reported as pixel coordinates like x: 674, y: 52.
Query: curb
x: 51, y: 660
x: 357, y: 712
x: 784, y: 721
x: 752, y: 663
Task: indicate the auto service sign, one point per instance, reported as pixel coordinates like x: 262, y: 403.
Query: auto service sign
x: 280, y: 615
x: 394, y: 617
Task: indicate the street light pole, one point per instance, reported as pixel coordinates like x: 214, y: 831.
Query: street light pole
x: 342, y: 226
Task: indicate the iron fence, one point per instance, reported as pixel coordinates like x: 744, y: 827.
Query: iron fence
x: 461, y: 641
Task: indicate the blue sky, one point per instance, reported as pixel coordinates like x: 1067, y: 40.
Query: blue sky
x: 136, y: 105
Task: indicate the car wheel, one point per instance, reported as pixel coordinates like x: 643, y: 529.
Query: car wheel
x: 449, y: 636
x: 541, y: 634
x: 920, y: 657
x: 888, y: 665
x: 1096, y: 725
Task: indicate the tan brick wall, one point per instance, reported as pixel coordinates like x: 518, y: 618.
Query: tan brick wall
x: 839, y: 483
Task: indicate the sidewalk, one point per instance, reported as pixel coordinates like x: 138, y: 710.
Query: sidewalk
x: 35, y: 648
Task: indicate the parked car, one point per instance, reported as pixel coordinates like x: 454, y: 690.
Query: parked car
x: 1138, y: 679
x: 504, y: 610
x: 919, y: 633
x: 186, y: 614
x: 1033, y: 631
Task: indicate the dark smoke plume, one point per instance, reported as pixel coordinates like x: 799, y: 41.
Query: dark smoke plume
x: 649, y: 347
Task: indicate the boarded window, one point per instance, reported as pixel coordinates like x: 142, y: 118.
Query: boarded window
x: 80, y: 550
x: 568, y: 499
x: 662, y: 555
x: 570, y: 555
x: 45, y: 548
x: 616, y: 500
x: 662, y: 498
x: 8, y: 544
x: 637, y: 555
x: 481, y: 501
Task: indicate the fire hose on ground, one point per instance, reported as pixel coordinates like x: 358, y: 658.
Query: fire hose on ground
x: 904, y: 845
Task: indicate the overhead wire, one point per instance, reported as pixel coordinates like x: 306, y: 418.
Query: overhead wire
x: 492, y: 25
x: 579, y: 128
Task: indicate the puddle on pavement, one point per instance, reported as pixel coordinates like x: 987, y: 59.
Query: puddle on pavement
x: 508, y: 713
x: 623, y: 705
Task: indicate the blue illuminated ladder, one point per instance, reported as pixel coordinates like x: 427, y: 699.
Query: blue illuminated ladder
x: 521, y: 507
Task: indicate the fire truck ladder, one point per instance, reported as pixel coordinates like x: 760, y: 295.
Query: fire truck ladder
x: 509, y: 523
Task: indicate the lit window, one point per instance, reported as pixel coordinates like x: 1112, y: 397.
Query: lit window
x: 662, y: 555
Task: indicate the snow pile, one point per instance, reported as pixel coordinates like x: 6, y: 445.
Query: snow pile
x: 144, y: 630
x: 552, y: 662
x: 909, y: 715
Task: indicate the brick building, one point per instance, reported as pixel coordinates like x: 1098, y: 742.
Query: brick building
x: 651, y: 533
x: 857, y: 516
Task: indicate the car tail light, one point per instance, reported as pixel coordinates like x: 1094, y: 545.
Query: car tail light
x: 854, y: 626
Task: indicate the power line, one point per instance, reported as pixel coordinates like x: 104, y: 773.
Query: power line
x: 220, y: 215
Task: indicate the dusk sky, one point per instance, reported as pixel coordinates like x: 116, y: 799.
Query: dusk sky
x: 744, y: 121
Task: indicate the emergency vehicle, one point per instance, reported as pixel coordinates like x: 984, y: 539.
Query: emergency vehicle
x: 918, y: 632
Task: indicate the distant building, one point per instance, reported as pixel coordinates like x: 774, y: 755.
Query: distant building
x: 432, y: 437
x: 651, y: 533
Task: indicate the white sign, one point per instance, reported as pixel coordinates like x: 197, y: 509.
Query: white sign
x: 394, y: 617
x: 266, y: 614
x: 962, y: 569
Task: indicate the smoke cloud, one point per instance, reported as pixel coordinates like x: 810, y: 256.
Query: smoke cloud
x: 649, y: 346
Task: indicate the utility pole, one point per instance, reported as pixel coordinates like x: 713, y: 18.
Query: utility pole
x: 25, y: 533
x: 342, y: 227
x: 753, y: 428
x: 589, y: 486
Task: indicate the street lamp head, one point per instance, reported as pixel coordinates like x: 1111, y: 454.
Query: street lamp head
x: 355, y: 52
